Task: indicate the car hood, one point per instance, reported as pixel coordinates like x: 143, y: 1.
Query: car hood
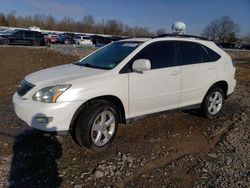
x: 61, y: 74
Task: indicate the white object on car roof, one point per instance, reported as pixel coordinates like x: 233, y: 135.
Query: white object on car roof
x: 179, y: 28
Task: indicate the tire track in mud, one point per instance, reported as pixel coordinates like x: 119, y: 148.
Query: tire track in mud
x: 200, y: 151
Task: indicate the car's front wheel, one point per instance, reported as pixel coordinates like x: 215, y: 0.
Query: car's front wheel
x: 96, y: 126
x: 213, y: 102
x: 5, y: 41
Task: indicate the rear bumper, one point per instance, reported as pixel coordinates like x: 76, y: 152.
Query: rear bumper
x: 59, y: 115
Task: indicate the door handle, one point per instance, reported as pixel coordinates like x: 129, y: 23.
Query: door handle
x: 175, y: 73
x: 211, y: 68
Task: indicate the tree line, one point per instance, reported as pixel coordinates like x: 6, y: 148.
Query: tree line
x: 223, y: 29
x: 87, y: 24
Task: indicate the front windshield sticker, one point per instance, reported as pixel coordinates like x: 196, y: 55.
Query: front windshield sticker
x: 132, y: 45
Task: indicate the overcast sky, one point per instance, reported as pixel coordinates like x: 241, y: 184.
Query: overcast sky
x: 152, y: 13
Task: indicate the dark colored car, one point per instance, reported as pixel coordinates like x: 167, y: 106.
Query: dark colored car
x: 100, y: 40
x: 228, y: 45
x: 65, y: 39
x: 71, y: 35
x: 245, y: 47
x: 24, y: 37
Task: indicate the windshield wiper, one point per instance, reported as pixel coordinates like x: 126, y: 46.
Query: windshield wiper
x: 85, y: 64
x: 88, y: 65
x: 92, y: 66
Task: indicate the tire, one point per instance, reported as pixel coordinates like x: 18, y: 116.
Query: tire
x: 36, y: 43
x: 5, y: 41
x: 95, y: 128
x: 213, y: 102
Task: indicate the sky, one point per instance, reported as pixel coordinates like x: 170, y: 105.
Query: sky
x: 196, y: 14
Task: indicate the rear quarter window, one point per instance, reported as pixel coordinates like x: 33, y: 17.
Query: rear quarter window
x: 212, y: 54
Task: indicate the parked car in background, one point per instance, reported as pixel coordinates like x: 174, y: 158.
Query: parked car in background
x: 65, y: 39
x: 71, y: 35
x: 83, y: 40
x: 52, y: 38
x: 46, y: 37
x: 115, y: 38
x: 24, y: 37
x: 100, y: 41
x: 245, y: 47
x: 228, y: 45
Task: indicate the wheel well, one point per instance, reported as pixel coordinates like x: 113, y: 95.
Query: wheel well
x: 115, y: 100
x: 223, y: 85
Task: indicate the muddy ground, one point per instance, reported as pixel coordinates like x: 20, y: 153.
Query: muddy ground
x: 177, y: 149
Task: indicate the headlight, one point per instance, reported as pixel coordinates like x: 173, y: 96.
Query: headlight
x: 50, y: 94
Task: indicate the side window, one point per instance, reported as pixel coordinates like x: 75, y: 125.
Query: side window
x: 204, y: 54
x: 189, y: 53
x: 213, y: 56
x: 160, y: 54
x: 19, y: 34
x: 29, y: 34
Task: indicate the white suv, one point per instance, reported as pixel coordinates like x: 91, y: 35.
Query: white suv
x: 124, y: 81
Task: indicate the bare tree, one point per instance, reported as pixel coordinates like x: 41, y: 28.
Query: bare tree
x: 113, y: 27
x: 11, y: 19
x: 222, y: 30
x: 50, y: 23
x: 247, y: 38
x: 86, y: 25
x: 161, y: 31
x: 3, y: 20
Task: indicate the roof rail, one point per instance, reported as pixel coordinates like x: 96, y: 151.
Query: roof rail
x: 181, y: 36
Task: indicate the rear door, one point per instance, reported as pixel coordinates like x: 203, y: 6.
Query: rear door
x: 157, y: 89
x: 29, y: 37
x: 18, y: 37
x: 198, y: 72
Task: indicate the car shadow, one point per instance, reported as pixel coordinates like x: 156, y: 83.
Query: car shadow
x: 34, y: 162
x: 193, y: 112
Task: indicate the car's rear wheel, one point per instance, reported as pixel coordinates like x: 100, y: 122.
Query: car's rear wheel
x: 36, y: 43
x: 213, y: 102
x: 96, y: 126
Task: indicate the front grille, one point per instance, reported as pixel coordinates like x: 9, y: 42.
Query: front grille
x: 24, y: 87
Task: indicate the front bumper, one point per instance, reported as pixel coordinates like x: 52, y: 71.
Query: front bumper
x: 59, y: 114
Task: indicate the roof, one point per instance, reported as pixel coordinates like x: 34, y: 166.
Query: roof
x: 167, y: 36
x: 135, y: 40
x: 181, y: 36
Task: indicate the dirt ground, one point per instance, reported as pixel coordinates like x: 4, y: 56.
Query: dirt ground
x: 177, y: 149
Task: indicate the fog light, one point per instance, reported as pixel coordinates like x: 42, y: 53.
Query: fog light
x: 43, y: 119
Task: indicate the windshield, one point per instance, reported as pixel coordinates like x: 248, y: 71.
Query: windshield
x: 8, y: 32
x: 109, y: 56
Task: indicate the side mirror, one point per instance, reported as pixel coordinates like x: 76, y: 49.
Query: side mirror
x: 141, y: 65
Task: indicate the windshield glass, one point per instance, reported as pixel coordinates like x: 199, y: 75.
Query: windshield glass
x: 109, y: 56
x: 8, y: 32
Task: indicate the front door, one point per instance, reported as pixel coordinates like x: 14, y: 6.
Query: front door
x: 157, y: 89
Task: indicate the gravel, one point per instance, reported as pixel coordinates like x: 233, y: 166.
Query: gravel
x: 229, y: 167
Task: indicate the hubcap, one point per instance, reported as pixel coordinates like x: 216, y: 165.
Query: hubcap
x: 103, y: 128
x: 5, y: 41
x: 215, y: 102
